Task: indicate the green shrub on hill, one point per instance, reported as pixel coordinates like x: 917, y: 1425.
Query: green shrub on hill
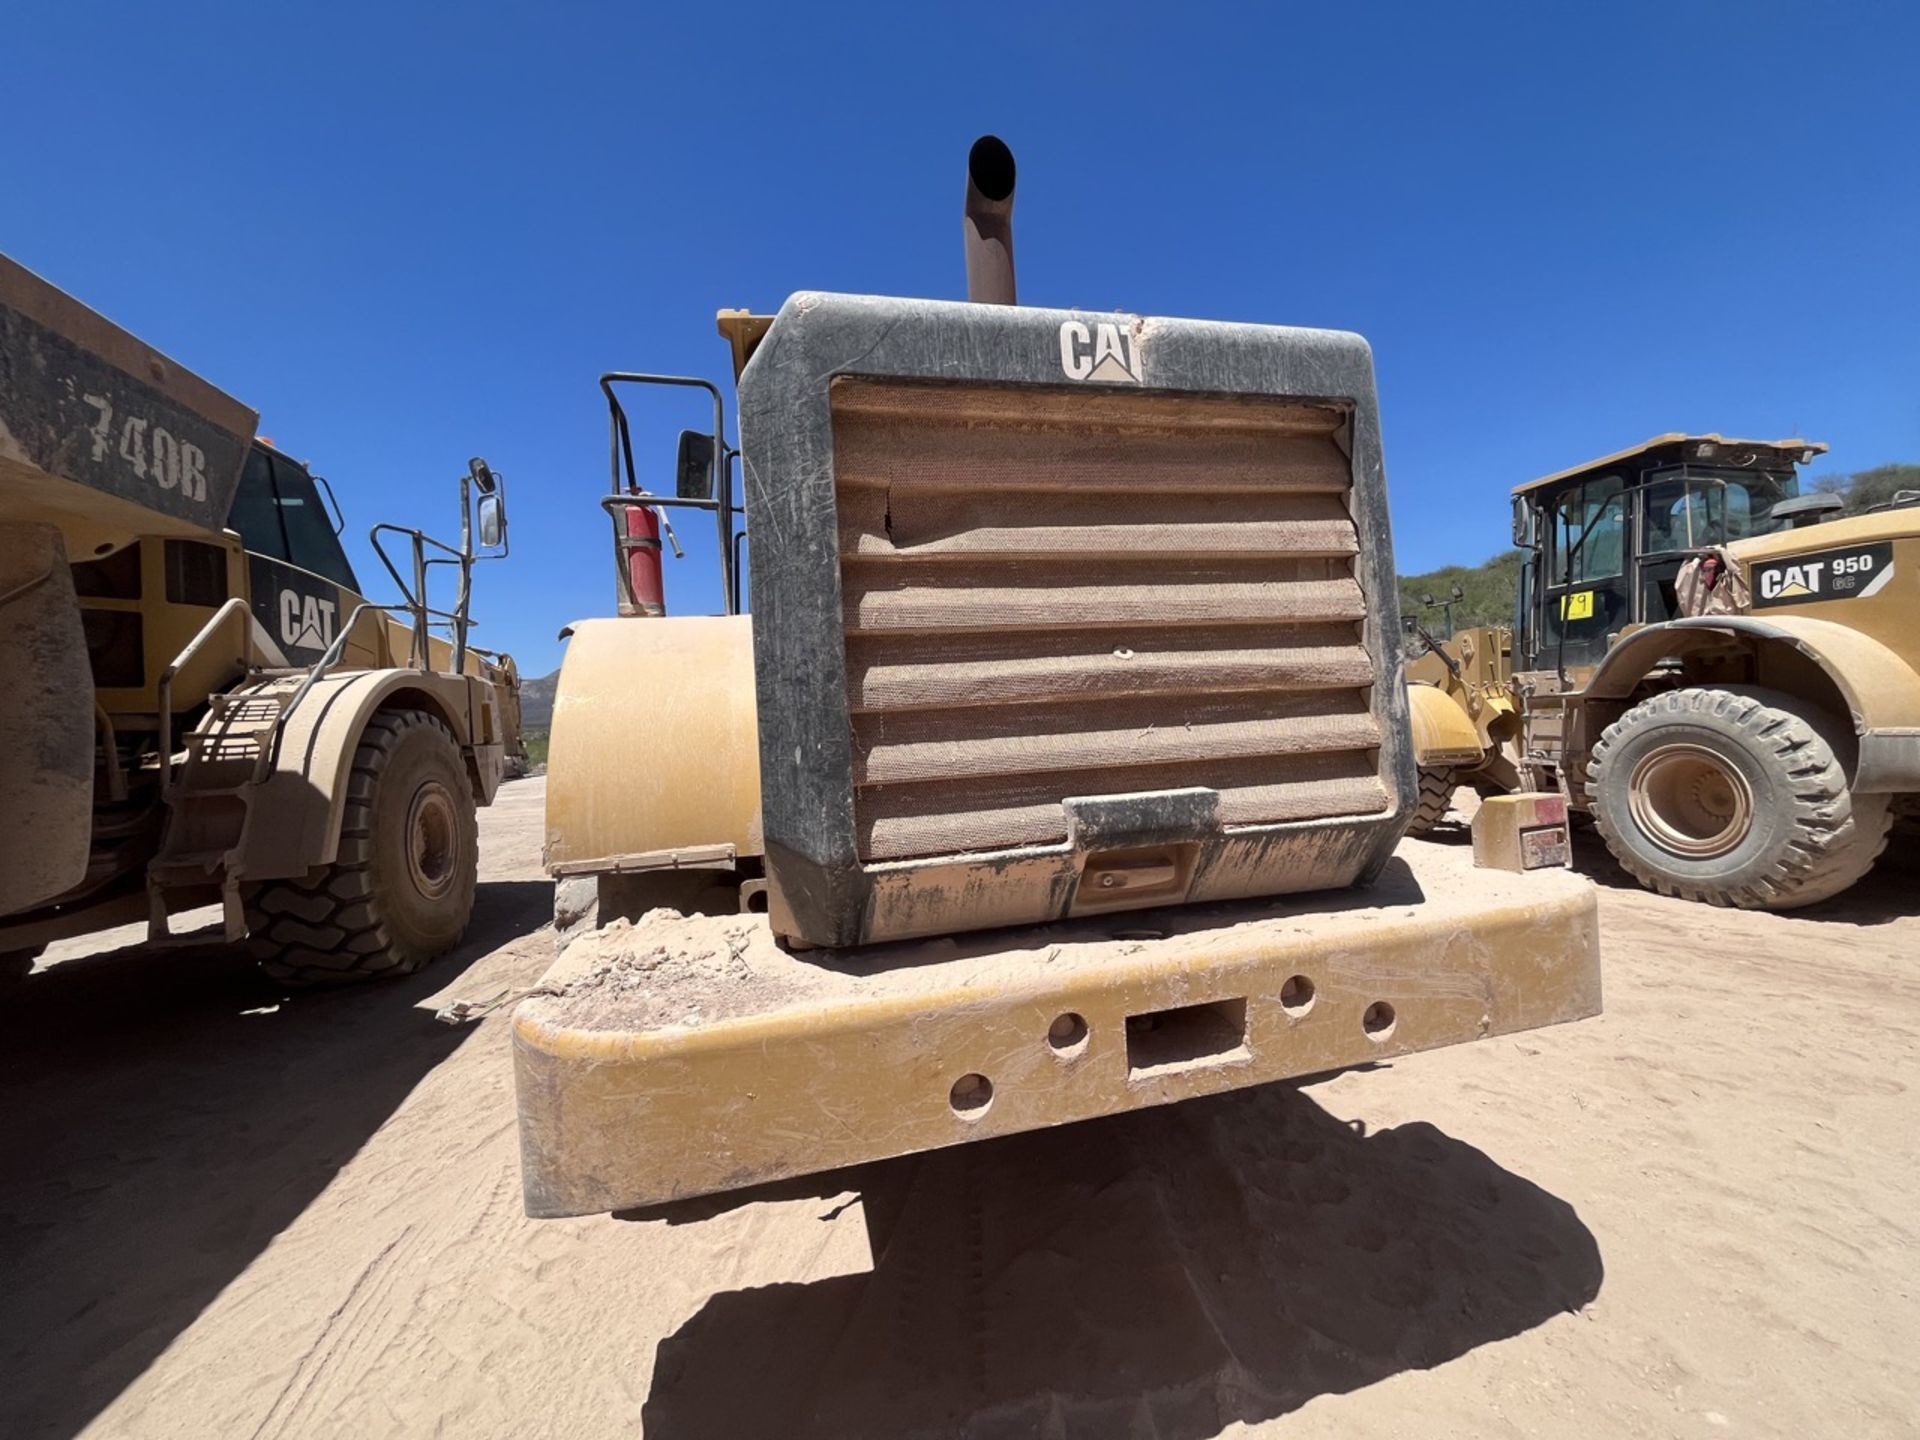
x: 1487, y: 592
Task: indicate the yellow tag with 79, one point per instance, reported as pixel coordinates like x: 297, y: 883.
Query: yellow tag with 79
x: 1578, y: 606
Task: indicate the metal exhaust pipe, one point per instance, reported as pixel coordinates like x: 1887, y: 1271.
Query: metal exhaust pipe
x: 989, y: 222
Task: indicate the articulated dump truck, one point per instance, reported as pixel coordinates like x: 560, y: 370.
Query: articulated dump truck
x: 199, y: 706
x: 1059, y: 770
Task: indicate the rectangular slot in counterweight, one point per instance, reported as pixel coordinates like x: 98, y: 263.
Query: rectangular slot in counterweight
x: 1189, y: 1037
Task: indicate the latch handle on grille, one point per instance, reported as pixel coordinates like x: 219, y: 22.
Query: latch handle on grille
x: 1138, y: 849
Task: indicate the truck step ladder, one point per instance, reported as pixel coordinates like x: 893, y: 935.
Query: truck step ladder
x: 209, y: 799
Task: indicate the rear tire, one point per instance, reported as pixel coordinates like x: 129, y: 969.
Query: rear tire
x: 1436, y: 796
x: 1733, y: 796
x: 400, y: 891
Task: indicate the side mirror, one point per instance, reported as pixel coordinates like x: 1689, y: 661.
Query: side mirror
x: 483, y: 476
x: 693, y: 472
x: 1522, y: 522
x: 493, y: 520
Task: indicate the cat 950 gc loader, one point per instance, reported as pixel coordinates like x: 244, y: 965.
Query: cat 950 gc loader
x: 1058, y: 771
x: 1722, y: 671
x: 198, y: 704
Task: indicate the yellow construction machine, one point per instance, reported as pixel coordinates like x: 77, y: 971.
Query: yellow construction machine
x: 200, y: 706
x: 1722, y: 671
x: 1059, y: 770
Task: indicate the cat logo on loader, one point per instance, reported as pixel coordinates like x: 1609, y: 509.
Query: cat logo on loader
x: 1101, y: 351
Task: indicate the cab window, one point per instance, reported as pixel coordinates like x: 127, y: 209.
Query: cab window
x: 1589, y: 531
x: 311, y: 543
x: 1585, y: 599
x: 278, y: 512
x: 255, y: 514
x: 1691, y: 513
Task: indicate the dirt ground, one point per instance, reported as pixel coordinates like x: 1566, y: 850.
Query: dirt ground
x: 227, y: 1212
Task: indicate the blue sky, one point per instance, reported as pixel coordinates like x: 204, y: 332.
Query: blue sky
x: 407, y: 234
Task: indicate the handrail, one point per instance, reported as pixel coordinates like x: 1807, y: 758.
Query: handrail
x: 236, y: 606
x: 620, y: 448
x: 458, y: 620
x: 420, y: 655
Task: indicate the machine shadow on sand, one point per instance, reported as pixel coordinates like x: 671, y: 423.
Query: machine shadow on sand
x: 1163, y: 1272
x: 168, y: 1113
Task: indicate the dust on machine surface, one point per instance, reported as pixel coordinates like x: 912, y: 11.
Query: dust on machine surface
x: 1058, y: 771
x: 201, y: 706
x: 1720, y: 670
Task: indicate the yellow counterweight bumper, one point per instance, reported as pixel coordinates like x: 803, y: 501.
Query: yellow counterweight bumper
x: 676, y: 1057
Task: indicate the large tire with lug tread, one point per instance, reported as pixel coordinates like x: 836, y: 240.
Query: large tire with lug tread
x: 1733, y: 795
x: 400, y: 891
x: 1436, y: 795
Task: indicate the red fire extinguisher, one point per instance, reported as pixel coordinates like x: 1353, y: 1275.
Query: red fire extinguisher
x: 642, y: 591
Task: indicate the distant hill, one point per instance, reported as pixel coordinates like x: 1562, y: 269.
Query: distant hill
x: 1866, y: 488
x: 1489, y: 589
x: 536, y: 702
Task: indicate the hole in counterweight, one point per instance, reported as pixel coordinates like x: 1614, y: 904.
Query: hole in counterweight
x: 1296, y: 995
x: 970, y: 1096
x: 1068, y: 1034
x: 1378, y: 1020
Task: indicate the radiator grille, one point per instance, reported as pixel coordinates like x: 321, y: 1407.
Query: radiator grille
x: 1063, y: 593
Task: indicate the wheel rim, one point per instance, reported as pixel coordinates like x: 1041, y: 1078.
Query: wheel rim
x: 432, y: 839
x: 1689, y: 800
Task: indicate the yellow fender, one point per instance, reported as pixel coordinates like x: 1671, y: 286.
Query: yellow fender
x: 1442, y: 733
x: 1880, y: 690
x: 298, y: 809
x: 654, y: 758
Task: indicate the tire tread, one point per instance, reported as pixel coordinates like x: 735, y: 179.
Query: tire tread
x: 1436, y: 796
x: 1837, y: 835
x: 288, y: 921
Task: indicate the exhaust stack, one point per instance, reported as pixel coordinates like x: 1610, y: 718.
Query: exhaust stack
x: 989, y: 222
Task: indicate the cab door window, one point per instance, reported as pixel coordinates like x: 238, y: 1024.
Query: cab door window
x: 256, y: 513
x: 311, y: 543
x: 278, y: 513
x: 1585, y: 598
x: 1589, y: 530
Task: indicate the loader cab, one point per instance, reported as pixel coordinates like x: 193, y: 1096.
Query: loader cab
x: 1608, y: 538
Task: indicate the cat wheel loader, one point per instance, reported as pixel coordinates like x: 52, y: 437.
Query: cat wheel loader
x: 1724, y: 673
x: 1058, y: 769
x: 200, y: 705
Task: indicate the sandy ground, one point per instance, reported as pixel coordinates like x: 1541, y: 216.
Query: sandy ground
x: 227, y: 1212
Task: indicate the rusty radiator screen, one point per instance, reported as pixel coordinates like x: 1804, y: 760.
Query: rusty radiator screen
x: 1052, y: 593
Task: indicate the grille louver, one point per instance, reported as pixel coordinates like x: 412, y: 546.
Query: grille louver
x: 1054, y: 593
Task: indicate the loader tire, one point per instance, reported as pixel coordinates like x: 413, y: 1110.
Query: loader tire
x: 401, y: 889
x: 1733, y: 796
x: 1436, y: 795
